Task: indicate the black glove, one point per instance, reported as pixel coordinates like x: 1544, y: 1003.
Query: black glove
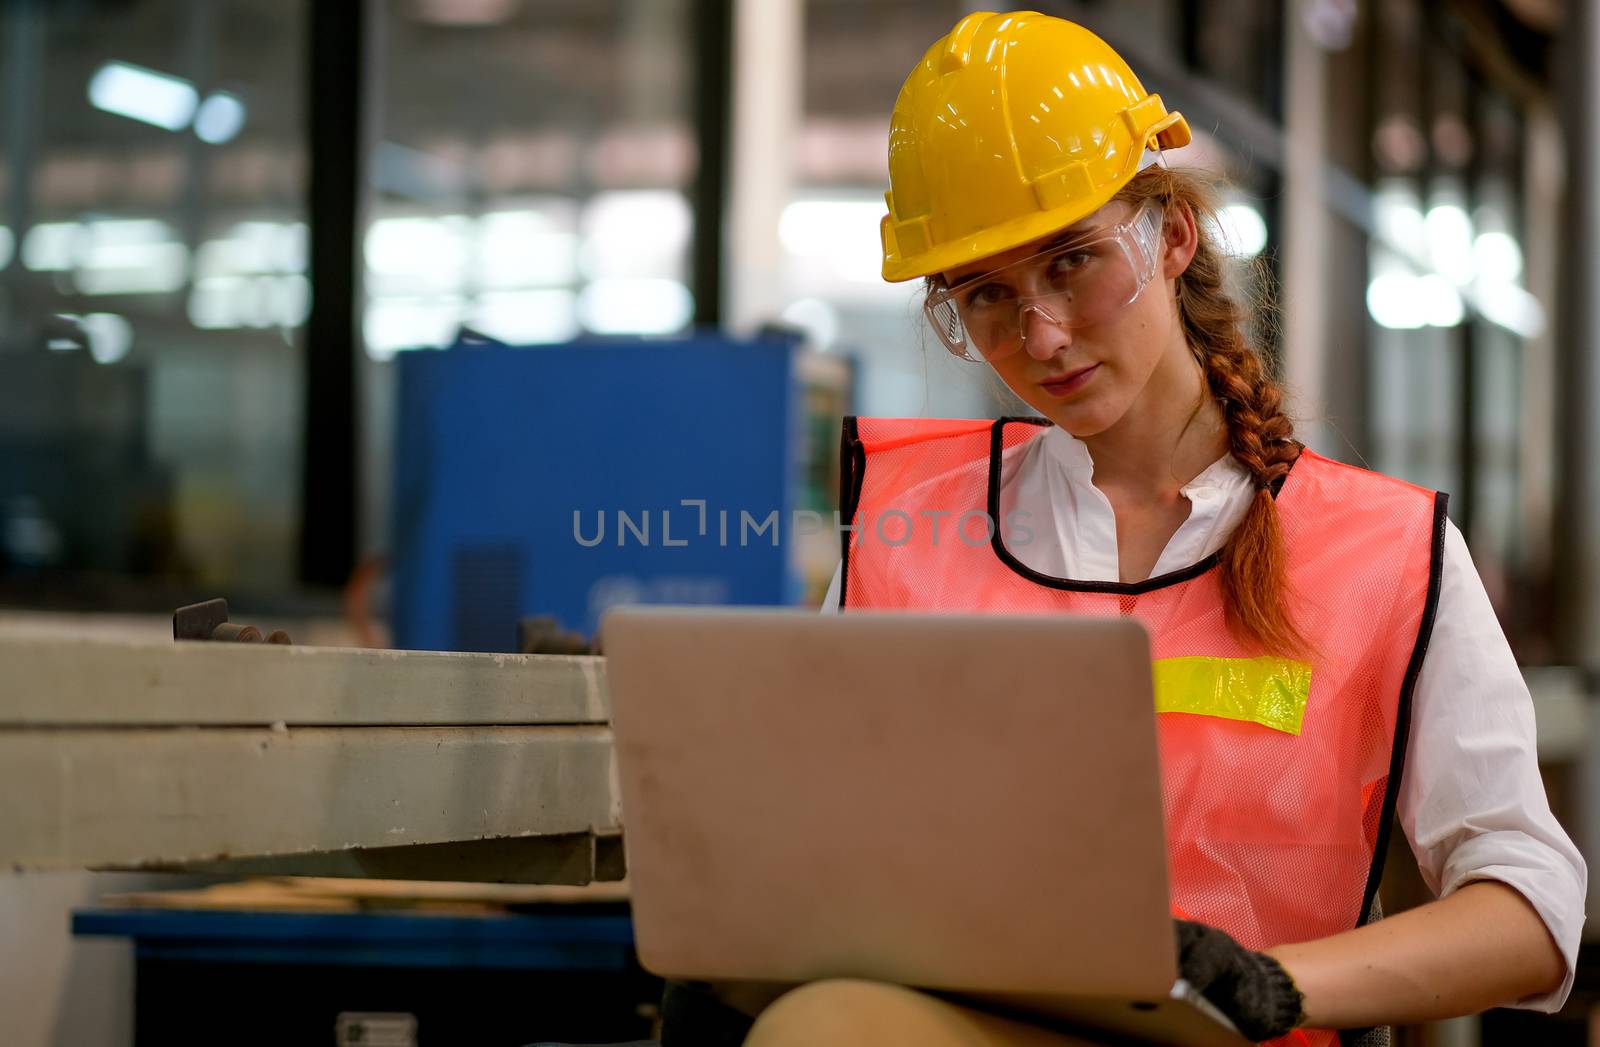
x: 1251, y: 988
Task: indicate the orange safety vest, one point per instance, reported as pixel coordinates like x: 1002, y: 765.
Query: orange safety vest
x: 1279, y: 776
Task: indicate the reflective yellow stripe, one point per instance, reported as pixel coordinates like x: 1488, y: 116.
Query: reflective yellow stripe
x: 1268, y: 691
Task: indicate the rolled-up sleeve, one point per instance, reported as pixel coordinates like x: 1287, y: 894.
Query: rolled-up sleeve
x: 1472, y: 802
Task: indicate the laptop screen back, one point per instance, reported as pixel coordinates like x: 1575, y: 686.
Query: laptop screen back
x: 954, y: 802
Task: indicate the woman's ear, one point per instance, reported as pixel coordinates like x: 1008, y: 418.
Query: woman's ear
x: 1181, y: 239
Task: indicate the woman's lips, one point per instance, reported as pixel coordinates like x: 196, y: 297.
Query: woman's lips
x: 1071, y: 382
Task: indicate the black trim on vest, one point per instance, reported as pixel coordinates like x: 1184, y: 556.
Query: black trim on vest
x: 852, y: 474
x: 852, y: 471
x: 1402, y: 720
x: 1119, y: 588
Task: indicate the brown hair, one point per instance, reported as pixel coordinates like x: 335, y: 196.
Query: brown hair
x: 1260, y: 434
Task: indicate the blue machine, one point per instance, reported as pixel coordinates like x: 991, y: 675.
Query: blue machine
x: 559, y: 480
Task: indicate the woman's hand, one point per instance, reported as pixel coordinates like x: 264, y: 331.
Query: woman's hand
x: 1251, y: 988
x: 1483, y: 946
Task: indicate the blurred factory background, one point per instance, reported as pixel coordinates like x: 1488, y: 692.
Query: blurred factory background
x: 235, y: 236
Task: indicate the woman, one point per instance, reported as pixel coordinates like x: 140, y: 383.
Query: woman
x: 1326, y: 656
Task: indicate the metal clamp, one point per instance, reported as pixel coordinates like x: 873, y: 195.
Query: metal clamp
x: 209, y: 621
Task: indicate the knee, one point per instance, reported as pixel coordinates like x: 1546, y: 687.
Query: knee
x: 851, y: 1013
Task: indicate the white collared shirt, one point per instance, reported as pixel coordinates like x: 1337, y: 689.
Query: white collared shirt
x: 1471, y: 801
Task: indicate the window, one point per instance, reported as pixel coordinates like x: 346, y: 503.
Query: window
x: 152, y: 286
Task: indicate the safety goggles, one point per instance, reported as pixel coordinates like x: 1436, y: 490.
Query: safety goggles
x: 1080, y: 282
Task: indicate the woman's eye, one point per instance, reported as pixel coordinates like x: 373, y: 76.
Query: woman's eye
x: 1069, y: 262
x: 985, y: 295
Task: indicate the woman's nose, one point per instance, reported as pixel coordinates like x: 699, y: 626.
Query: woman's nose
x: 1043, y: 335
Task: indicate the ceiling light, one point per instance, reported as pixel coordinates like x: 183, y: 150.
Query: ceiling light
x: 465, y: 12
x: 220, y: 118
x: 144, y: 95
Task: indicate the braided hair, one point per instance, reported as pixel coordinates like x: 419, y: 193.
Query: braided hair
x: 1260, y: 434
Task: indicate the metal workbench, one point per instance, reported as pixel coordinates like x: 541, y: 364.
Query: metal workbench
x: 245, y: 758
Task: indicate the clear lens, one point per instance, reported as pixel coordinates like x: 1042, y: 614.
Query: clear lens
x: 1075, y: 284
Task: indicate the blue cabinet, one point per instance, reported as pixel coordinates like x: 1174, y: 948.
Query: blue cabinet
x: 254, y: 978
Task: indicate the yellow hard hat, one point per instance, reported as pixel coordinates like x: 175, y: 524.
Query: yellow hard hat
x: 1011, y: 127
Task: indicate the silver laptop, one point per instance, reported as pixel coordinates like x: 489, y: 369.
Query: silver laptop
x: 965, y: 804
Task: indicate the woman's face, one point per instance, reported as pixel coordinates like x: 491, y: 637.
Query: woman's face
x: 1086, y: 379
